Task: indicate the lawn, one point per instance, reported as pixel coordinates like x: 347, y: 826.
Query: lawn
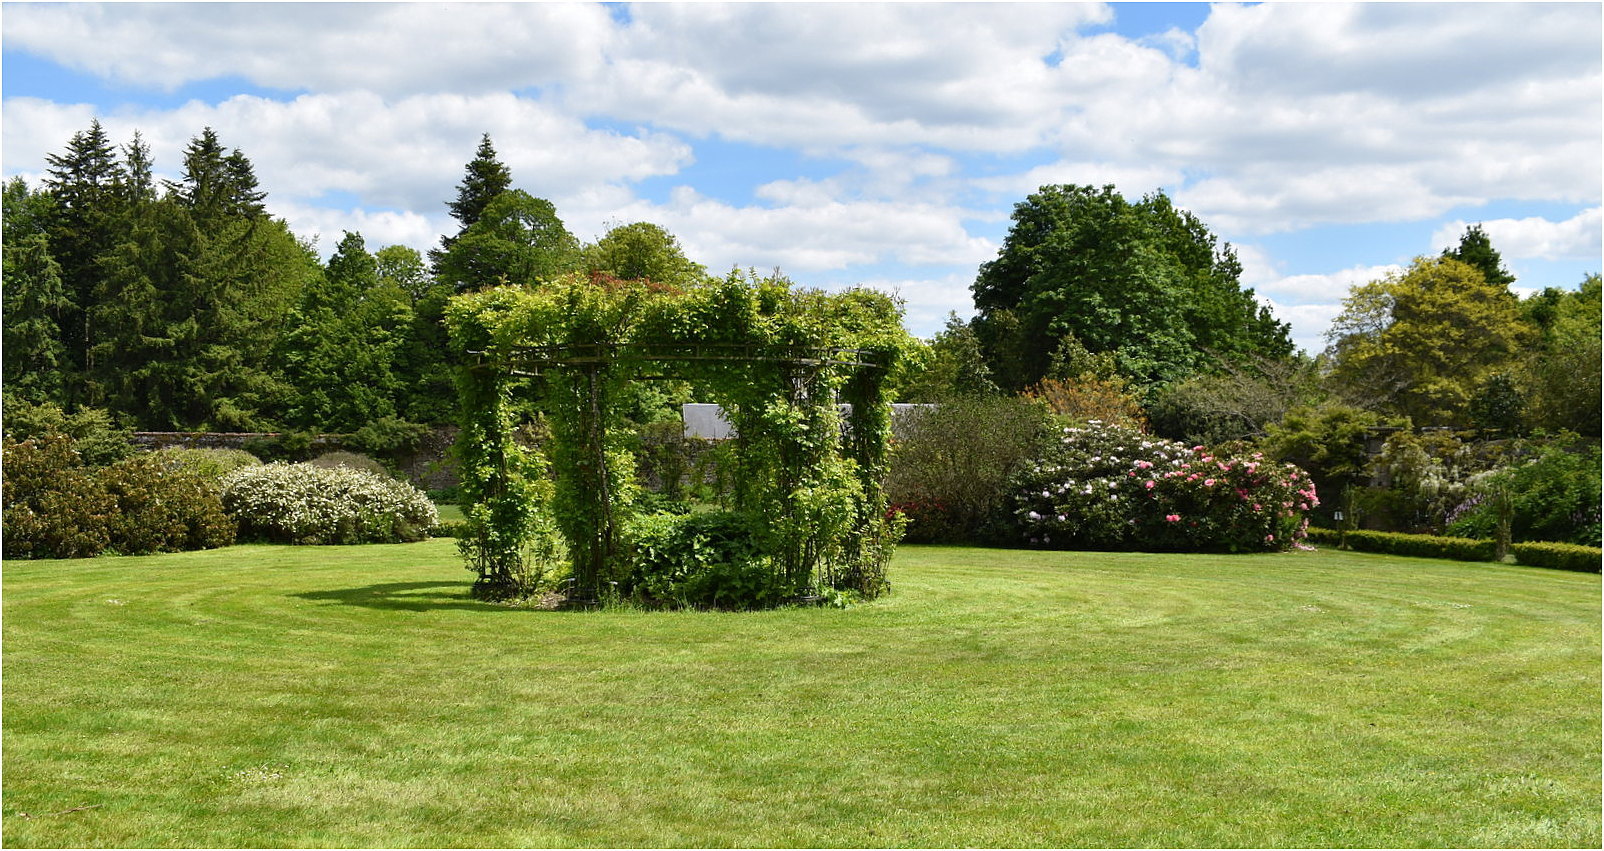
x: 354, y: 696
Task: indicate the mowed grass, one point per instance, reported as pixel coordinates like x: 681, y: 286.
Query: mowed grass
x: 355, y: 696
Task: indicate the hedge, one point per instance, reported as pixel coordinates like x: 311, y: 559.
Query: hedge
x: 1560, y: 556
x: 1418, y: 546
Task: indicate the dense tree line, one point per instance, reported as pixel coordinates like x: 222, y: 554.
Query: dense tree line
x: 1093, y: 296
x: 185, y: 304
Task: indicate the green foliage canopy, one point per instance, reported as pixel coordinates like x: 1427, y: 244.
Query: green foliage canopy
x: 1145, y: 281
x: 1419, y: 343
x: 777, y: 358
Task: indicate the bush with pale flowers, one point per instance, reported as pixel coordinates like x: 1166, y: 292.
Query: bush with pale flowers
x: 1105, y: 487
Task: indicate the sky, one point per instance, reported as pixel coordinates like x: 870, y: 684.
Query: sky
x: 858, y: 144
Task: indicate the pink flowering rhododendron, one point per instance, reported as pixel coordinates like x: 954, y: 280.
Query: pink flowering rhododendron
x: 1108, y: 487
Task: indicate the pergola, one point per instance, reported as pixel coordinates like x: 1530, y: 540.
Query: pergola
x: 775, y: 358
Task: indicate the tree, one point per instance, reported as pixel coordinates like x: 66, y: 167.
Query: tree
x: 954, y: 366
x: 1561, y: 372
x: 1421, y: 342
x: 1329, y: 441
x: 191, y: 298
x: 642, y: 251
x: 403, y: 267
x: 83, y: 181
x: 422, y: 364
x: 217, y: 183
x: 485, y: 178
x: 1476, y: 249
x: 517, y: 239
x: 34, y: 303
x: 1144, y: 281
x: 1234, y: 404
x: 340, y: 347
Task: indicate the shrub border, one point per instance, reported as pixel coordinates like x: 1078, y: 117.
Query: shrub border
x: 1557, y: 556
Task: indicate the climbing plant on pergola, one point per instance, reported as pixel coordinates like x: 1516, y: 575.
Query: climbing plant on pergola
x: 777, y: 360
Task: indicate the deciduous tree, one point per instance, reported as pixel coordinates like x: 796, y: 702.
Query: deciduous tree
x: 1419, y: 343
x: 517, y: 239
x: 1145, y: 281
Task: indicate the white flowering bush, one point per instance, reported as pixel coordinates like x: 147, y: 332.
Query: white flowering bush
x: 1099, y: 486
x: 304, y: 504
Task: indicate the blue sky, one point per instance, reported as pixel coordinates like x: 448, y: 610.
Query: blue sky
x: 863, y: 144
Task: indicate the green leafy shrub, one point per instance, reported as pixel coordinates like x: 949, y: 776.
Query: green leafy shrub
x: 306, y: 504
x: 1555, y: 496
x: 389, y: 434
x: 708, y: 560
x: 54, y: 507
x: 950, y: 465
x: 450, y: 529
x: 1561, y: 556
x: 1422, y: 546
x: 1101, y: 486
x: 1323, y: 536
x: 162, y: 510
x: 209, y: 464
x: 96, y: 439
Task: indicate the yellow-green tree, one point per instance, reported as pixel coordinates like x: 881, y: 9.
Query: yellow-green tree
x: 1419, y: 343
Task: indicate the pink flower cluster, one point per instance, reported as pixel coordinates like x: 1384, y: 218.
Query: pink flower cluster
x: 1107, y: 486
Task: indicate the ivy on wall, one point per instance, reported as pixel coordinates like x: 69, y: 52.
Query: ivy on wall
x: 807, y: 492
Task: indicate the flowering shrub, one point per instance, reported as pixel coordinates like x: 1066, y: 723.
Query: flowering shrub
x: 1106, y: 487
x: 303, y: 504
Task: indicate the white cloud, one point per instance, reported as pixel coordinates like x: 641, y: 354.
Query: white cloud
x: 1327, y: 288
x: 1272, y: 117
x: 955, y: 75
x: 1576, y: 238
x: 929, y: 300
x: 404, y: 154
x: 1307, y: 302
x: 389, y: 48
x: 1309, y: 322
x: 379, y: 228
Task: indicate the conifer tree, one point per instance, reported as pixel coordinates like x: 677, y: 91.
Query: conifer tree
x: 1476, y: 249
x: 84, y: 183
x: 485, y: 178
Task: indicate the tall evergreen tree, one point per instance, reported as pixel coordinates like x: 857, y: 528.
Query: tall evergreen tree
x: 340, y: 347
x: 84, y: 181
x: 1476, y: 250
x: 34, y: 304
x: 485, y: 178
x: 217, y: 183
x: 138, y: 184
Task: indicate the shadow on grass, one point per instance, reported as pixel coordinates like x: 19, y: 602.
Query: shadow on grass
x: 407, y: 597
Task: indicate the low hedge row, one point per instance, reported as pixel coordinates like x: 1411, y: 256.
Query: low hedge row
x: 1560, y: 556
x: 1534, y: 554
x: 1423, y: 546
